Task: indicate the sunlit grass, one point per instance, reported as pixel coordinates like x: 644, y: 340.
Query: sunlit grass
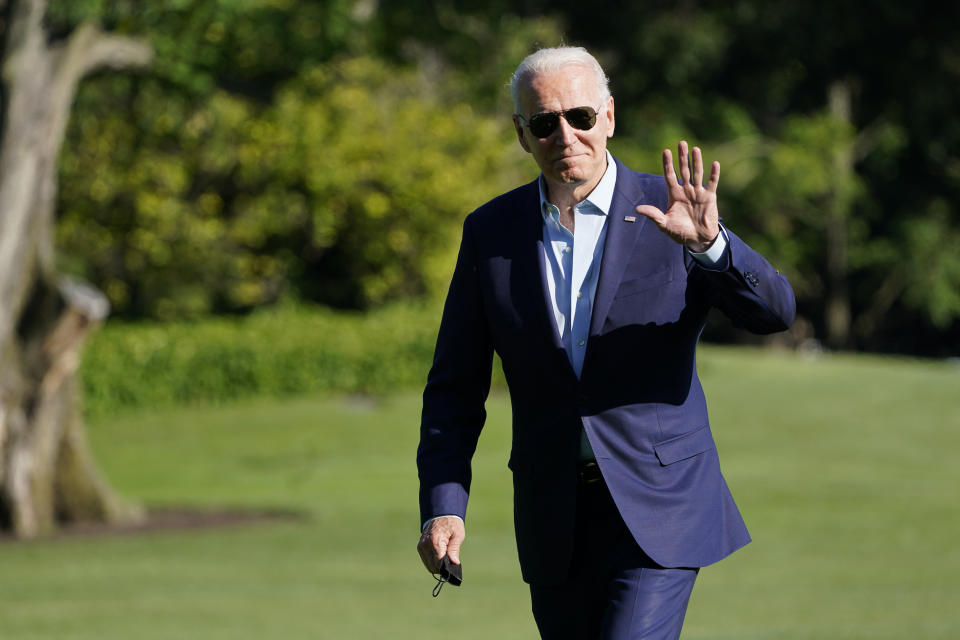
x: 842, y: 467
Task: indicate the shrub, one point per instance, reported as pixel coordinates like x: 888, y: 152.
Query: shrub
x: 272, y: 352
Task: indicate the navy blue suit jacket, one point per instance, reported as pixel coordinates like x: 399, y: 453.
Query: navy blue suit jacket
x: 639, y: 398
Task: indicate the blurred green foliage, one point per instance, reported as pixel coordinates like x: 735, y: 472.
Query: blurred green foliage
x: 280, y: 351
x: 327, y: 151
x: 342, y: 189
x: 264, y: 158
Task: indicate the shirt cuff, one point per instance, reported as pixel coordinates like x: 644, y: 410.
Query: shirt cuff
x: 435, y: 517
x: 712, y: 256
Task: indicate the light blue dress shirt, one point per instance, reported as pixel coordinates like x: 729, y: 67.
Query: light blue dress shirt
x: 572, y: 262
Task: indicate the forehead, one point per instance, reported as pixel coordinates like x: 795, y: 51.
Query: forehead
x: 564, y: 88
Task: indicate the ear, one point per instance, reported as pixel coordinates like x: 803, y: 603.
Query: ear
x: 520, y: 137
x: 610, y: 117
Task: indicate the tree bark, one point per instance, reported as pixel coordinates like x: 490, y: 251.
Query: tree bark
x: 47, y: 474
x: 837, y: 312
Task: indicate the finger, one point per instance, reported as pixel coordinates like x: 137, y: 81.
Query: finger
x: 697, y: 177
x: 668, y: 173
x: 662, y: 221
x: 428, y: 554
x: 683, y: 159
x: 433, y: 546
x: 714, y: 176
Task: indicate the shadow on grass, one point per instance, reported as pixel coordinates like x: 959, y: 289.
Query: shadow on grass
x: 173, y: 519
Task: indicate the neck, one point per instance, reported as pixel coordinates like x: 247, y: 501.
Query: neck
x: 565, y: 195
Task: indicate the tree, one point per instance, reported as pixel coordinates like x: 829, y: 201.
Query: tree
x: 839, y: 151
x: 47, y: 473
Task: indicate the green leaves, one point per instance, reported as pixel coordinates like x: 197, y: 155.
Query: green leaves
x: 933, y: 269
x: 284, y: 350
x: 349, y: 189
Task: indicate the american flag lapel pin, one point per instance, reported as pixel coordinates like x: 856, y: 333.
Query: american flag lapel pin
x: 630, y: 218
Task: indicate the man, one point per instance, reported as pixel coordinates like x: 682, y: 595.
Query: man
x: 593, y: 283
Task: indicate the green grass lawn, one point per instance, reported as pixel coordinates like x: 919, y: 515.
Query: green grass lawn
x: 843, y: 468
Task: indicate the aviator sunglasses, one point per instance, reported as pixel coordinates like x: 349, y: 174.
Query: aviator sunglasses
x: 544, y: 124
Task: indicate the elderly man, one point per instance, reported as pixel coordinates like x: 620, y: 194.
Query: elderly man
x: 593, y: 284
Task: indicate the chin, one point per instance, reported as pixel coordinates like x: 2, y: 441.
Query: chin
x: 568, y: 177
x: 573, y: 175
x: 576, y: 172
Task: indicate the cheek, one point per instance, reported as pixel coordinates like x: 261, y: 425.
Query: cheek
x: 541, y: 150
x: 599, y: 138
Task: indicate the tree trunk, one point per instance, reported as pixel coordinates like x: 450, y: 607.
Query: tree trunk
x: 837, y: 311
x: 47, y: 474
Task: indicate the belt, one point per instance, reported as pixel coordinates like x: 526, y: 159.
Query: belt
x: 588, y: 473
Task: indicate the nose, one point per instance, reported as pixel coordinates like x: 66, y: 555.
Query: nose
x: 566, y: 135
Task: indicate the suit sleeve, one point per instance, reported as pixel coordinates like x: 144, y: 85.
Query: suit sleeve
x: 747, y: 289
x: 456, y: 391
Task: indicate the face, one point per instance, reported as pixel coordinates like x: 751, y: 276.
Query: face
x: 568, y: 156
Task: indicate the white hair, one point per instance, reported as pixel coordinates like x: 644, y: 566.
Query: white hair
x: 554, y: 59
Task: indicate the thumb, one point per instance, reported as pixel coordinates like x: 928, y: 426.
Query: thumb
x: 440, y: 547
x: 653, y: 213
x: 454, y: 552
x: 453, y: 549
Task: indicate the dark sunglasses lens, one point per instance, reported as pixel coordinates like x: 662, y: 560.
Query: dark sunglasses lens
x: 582, y: 118
x: 543, y: 124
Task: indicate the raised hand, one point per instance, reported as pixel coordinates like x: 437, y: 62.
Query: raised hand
x: 692, y: 217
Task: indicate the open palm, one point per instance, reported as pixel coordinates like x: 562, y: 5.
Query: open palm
x: 692, y: 217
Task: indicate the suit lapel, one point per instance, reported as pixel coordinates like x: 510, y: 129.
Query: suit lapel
x: 619, y: 246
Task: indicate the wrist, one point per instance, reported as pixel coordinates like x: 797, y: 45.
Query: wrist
x: 703, y: 247
x: 428, y: 522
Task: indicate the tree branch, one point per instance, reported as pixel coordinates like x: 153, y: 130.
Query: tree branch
x: 87, y: 49
x: 90, y: 48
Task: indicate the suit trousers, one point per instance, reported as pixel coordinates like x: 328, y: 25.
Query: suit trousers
x: 614, y: 590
